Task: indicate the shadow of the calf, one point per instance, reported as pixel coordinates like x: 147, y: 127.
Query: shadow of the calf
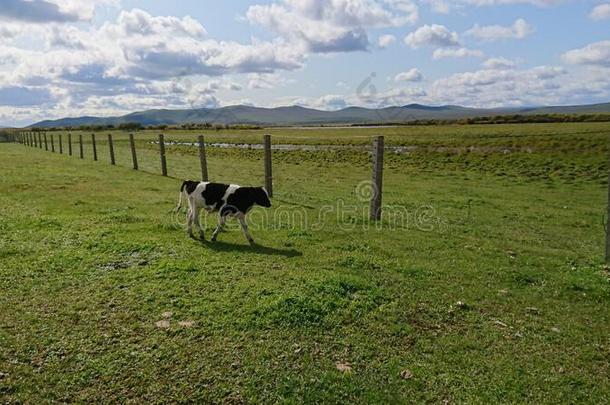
x: 254, y: 248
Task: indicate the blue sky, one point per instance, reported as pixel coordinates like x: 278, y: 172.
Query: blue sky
x: 111, y: 57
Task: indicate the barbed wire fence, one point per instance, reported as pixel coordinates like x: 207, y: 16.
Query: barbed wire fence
x: 151, y: 156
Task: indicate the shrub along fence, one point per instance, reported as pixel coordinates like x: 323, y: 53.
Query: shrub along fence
x: 126, y: 150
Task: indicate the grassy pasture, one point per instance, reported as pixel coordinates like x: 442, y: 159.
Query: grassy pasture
x: 490, y: 288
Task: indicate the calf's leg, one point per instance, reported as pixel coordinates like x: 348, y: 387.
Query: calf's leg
x: 244, y: 227
x: 222, y: 220
x: 189, y: 222
x: 196, y: 219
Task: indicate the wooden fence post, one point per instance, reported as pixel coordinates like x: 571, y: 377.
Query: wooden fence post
x: 80, y: 144
x: 378, y: 146
x: 134, y: 156
x: 46, y: 145
x: 162, y: 153
x: 94, y: 147
x: 69, y: 143
x: 268, y: 168
x: 35, y: 139
x: 52, y: 143
x: 111, y: 149
x: 203, y: 160
x: 39, y: 141
x: 608, y: 213
x: 61, y: 144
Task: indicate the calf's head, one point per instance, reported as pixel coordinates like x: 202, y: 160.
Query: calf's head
x: 261, y: 197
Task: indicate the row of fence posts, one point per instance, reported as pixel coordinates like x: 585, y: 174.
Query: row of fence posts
x: 37, y: 139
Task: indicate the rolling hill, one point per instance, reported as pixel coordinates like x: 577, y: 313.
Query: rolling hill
x: 296, y: 115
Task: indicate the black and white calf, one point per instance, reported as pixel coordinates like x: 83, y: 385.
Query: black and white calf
x: 229, y: 200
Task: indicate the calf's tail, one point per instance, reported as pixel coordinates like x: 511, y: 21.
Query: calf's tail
x: 180, y: 196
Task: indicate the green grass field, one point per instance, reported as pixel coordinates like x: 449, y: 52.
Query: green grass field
x: 489, y: 286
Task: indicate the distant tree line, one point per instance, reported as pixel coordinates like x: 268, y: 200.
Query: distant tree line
x: 136, y: 126
x: 507, y: 119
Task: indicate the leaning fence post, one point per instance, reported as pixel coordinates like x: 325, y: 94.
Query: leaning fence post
x: 608, y: 214
x: 94, y: 147
x: 61, y: 144
x: 111, y: 150
x: 268, y: 168
x: 134, y: 156
x: 202, y: 159
x: 46, y: 145
x: 80, y: 144
x: 70, y: 144
x: 52, y: 143
x: 378, y: 146
x: 162, y: 153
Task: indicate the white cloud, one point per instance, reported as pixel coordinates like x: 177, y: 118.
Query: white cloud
x: 411, y: 75
x: 385, y: 41
x: 597, y: 53
x: 499, y: 63
x: 324, y: 26
x: 432, y: 35
x: 265, y: 81
x: 138, y: 61
x: 600, y: 12
x: 456, y: 53
x: 329, y: 102
x: 519, y: 30
x: 140, y: 22
x: 50, y: 11
x: 9, y: 31
x: 541, y: 85
x: 439, y: 6
x: 539, y: 3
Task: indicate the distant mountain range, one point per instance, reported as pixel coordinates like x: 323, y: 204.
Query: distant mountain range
x: 295, y: 115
